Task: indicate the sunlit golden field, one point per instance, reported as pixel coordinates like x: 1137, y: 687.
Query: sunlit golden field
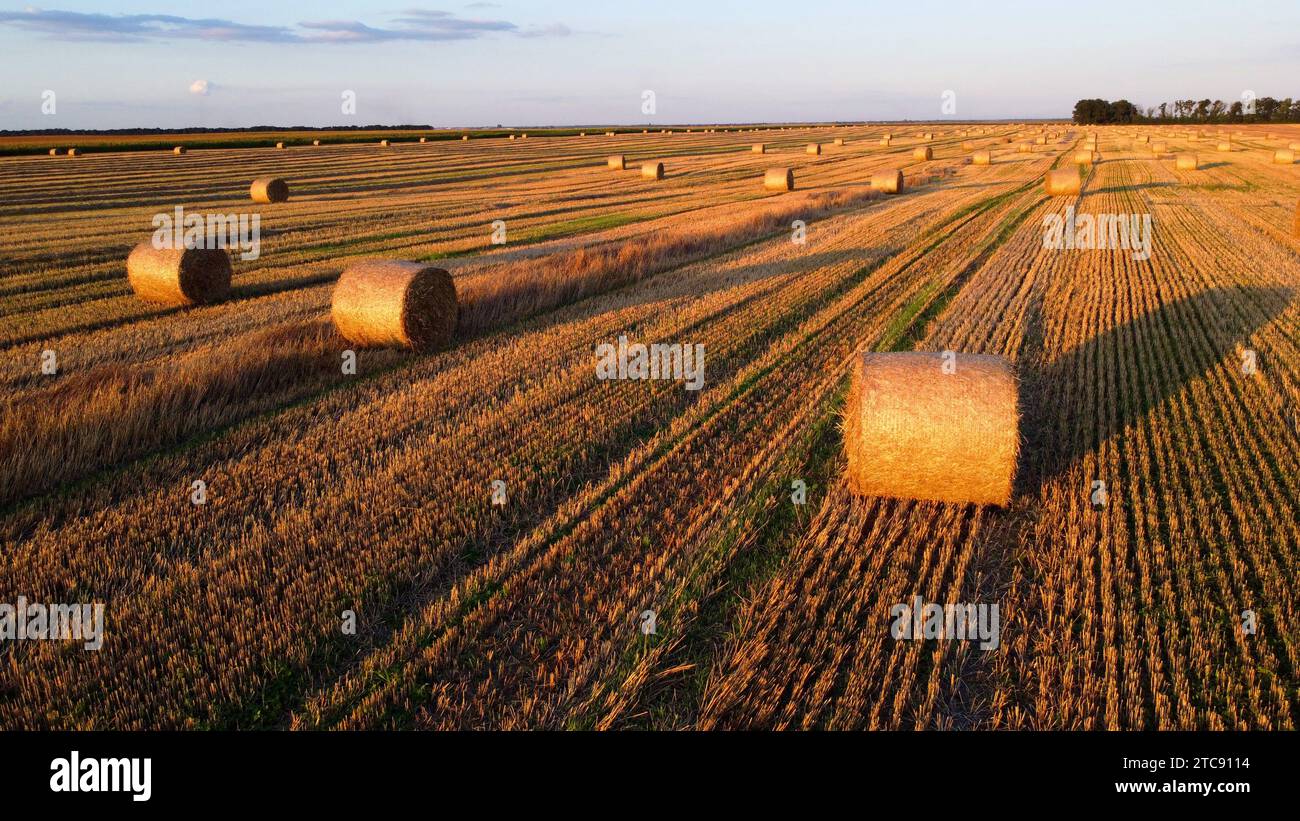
x: 373, y: 492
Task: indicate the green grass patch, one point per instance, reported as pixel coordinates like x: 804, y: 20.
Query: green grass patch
x: 581, y: 225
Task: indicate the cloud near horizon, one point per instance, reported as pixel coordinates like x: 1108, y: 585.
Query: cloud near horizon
x: 426, y: 25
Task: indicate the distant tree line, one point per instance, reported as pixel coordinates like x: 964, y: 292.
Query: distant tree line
x: 1265, y: 110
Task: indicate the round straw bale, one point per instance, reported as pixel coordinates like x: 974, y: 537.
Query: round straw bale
x: 1040, y: 140
x: 512, y: 136
x: 180, y: 149
x: 652, y: 170
x: 1063, y: 181
x: 759, y: 148
x: 424, y: 139
x: 813, y: 148
x: 279, y: 145
x: 1024, y: 148
x: 967, y: 145
x: 269, y: 189
x: 981, y: 158
x: 927, y: 136
x: 464, y: 136
x: 779, y: 179
x: 178, y: 276
x: 74, y: 152
x: 1083, y: 158
x: 609, y: 133
x: 384, y: 143
x: 1158, y: 147
x: 1187, y: 162
x: 54, y: 152
x: 1142, y: 138
x: 1284, y: 156
x: 616, y: 161
x: 889, y: 181
x: 914, y: 429
x: 922, y: 152
x: 885, y: 139
x: 839, y: 141
x: 383, y: 302
x: 315, y: 142
x: 1225, y: 146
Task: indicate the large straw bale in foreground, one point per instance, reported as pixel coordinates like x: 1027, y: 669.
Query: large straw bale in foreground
x: 392, y: 303
x: 889, y: 181
x: 1063, y: 182
x: 912, y: 431
x: 779, y: 179
x: 269, y: 189
x: 178, y: 276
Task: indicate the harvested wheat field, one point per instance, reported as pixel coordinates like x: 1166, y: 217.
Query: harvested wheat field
x: 523, y: 532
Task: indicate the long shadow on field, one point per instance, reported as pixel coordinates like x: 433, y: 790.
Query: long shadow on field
x: 1137, y: 186
x: 1074, y: 404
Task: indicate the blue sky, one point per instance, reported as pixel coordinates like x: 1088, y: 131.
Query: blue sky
x: 572, y: 61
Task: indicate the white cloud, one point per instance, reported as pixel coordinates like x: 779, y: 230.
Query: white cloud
x: 201, y: 87
x: 421, y: 25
